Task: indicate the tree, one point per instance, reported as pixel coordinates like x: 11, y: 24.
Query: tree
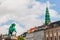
x: 20, y: 38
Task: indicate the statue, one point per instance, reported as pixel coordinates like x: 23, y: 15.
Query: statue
x: 11, y: 29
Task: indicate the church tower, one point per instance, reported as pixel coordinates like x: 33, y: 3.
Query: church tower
x: 47, y: 17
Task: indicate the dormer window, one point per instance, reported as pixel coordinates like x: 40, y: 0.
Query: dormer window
x: 55, y: 25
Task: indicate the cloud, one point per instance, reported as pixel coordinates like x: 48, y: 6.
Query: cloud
x: 53, y: 13
x: 4, y: 29
x: 19, y: 30
x: 27, y: 12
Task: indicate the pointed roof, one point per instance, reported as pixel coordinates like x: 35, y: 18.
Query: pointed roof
x: 47, y: 17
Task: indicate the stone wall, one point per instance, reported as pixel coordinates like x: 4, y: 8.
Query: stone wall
x: 39, y: 35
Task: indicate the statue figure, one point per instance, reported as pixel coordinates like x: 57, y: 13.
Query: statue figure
x: 11, y: 29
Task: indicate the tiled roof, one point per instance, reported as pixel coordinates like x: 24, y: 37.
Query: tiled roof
x: 51, y: 25
x: 32, y: 30
x: 54, y: 24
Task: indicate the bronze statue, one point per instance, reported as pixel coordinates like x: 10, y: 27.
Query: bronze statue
x: 11, y: 29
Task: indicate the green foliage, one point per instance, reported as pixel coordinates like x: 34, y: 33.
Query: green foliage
x: 20, y: 38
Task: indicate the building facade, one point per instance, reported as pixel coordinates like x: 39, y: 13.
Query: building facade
x: 38, y: 35
x: 53, y: 31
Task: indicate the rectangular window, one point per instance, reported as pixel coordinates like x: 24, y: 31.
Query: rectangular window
x: 59, y: 37
x: 55, y: 38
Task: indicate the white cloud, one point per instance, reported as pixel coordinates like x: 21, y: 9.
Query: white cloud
x: 19, y: 30
x: 19, y: 10
x: 4, y: 29
x: 53, y: 13
x: 6, y: 17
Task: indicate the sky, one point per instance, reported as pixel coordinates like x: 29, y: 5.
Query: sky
x: 26, y: 14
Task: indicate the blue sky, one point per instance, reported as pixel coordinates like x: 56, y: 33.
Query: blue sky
x: 56, y: 2
x: 26, y: 13
x: 56, y: 7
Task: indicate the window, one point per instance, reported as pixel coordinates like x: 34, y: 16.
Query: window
x: 55, y: 25
x: 55, y: 38
x: 59, y: 37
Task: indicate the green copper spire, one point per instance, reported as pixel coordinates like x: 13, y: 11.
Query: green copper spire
x: 47, y: 17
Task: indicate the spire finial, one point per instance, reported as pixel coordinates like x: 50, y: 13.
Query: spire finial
x: 46, y: 4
